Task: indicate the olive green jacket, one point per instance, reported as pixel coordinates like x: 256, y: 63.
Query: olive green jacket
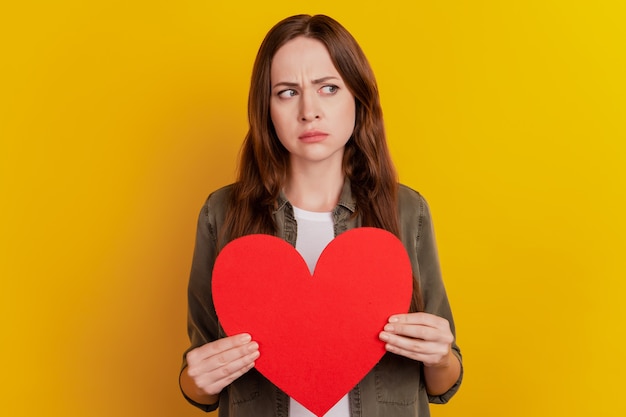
x: 395, y: 386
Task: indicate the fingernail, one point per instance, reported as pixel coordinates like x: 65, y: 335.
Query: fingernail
x: 384, y: 336
x: 245, y: 338
x: 253, y: 346
x: 389, y: 328
x: 393, y: 319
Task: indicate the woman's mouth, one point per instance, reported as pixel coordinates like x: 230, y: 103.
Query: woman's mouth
x: 312, y: 136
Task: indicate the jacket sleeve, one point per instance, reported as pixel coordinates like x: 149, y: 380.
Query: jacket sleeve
x: 433, y: 290
x: 202, y: 323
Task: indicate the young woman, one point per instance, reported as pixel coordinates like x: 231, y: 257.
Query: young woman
x: 314, y: 164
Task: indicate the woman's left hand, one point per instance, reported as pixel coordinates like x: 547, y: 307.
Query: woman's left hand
x: 420, y: 336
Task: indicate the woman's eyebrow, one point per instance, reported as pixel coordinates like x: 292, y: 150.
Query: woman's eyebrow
x: 285, y: 84
x: 324, y: 79
x: 314, y: 82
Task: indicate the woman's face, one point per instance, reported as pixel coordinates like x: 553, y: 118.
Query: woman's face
x: 312, y: 110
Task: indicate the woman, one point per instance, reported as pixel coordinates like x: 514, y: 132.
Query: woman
x: 314, y: 164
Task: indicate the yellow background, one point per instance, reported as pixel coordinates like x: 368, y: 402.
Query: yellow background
x: 117, y: 118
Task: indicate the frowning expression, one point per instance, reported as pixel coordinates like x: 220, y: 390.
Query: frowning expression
x: 312, y: 110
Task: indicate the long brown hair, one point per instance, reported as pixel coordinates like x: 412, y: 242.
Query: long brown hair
x: 264, y: 162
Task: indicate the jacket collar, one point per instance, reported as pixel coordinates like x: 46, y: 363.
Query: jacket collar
x: 346, y: 199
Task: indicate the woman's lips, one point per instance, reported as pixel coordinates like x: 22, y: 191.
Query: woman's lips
x: 313, y: 136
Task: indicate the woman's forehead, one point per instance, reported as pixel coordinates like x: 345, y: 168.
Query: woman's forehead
x: 302, y: 57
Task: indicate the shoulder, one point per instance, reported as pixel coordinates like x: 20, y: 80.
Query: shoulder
x: 216, y: 204
x: 411, y: 200
x: 413, y: 210
x: 220, y: 197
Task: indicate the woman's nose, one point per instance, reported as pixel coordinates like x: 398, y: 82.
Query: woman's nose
x: 309, y: 107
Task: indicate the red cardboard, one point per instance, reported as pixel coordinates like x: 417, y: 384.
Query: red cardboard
x: 317, y: 335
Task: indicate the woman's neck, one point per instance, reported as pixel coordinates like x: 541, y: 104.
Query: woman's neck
x: 314, y: 188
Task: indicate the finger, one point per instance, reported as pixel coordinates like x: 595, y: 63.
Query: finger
x: 217, y: 348
x: 221, y: 345
x: 231, y: 358
x: 394, y: 345
x: 215, y: 380
x: 425, y: 358
x: 395, y: 341
x: 228, y: 373
x: 415, y: 331
x: 421, y: 350
x: 422, y: 318
x: 428, y: 359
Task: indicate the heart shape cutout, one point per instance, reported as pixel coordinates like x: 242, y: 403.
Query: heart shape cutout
x: 317, y: 335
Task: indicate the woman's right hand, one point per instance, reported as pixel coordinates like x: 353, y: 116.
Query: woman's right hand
x: 212, y: 367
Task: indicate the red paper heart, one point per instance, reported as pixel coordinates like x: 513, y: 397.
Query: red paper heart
x: 317, y: 335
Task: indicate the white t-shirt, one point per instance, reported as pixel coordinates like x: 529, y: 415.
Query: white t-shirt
x: 315, y: 231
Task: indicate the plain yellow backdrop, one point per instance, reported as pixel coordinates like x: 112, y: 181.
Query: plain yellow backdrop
x: 117, y: 119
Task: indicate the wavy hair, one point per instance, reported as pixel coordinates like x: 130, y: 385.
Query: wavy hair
x: 264, y: 162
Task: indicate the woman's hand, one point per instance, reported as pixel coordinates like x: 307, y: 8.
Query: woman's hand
x: 420, y: 336
x: 427, y: 338
x: 212, y: 367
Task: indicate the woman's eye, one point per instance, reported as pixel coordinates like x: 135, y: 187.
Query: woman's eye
x: 287, y: 93
x: 329, y: 89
